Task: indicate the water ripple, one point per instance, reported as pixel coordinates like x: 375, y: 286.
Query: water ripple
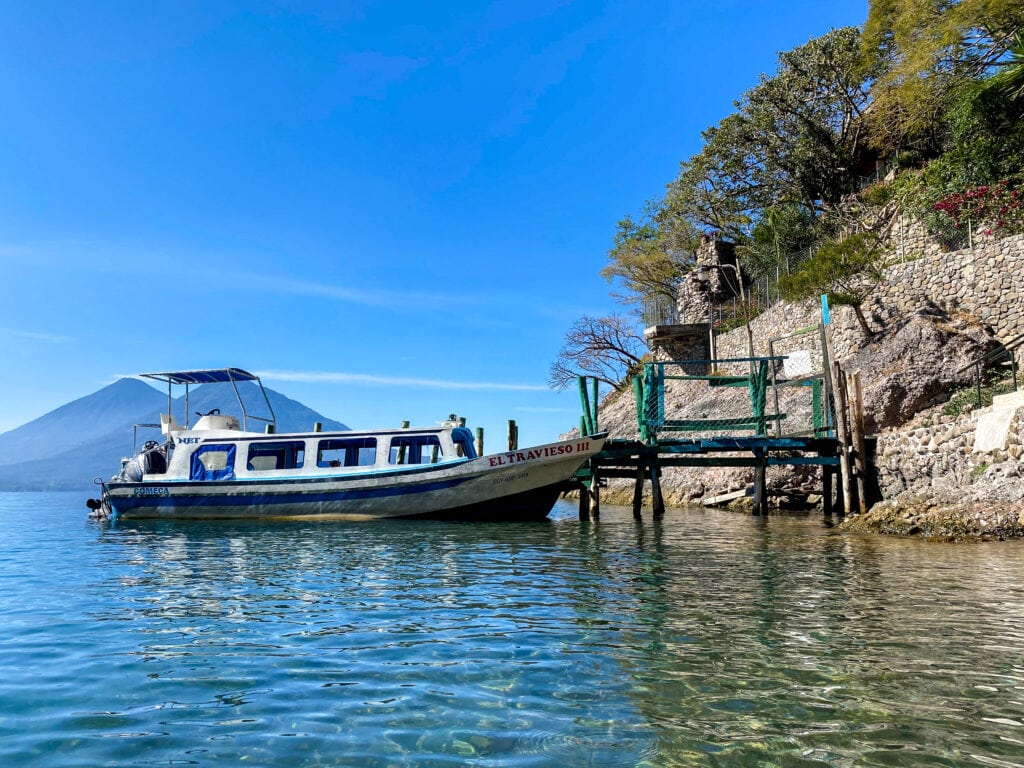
x: 709, y: 639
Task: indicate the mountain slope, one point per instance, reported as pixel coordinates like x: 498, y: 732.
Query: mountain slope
x: 71, y: 445
x: 80, y: 421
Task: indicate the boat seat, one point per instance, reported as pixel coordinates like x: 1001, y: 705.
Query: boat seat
x: 168, y: 423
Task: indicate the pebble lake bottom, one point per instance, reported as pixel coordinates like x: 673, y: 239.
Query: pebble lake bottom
x: 709, y: 639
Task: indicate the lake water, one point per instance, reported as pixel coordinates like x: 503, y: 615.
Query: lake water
x: 709, y: 639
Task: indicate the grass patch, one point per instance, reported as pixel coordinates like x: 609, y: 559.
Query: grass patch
x: 965, y: 400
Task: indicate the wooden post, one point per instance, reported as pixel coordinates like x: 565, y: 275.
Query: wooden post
x: 586, y: 426
x: 269, y: 429
x: 638, y: 490
x: 859, y: 444
x: 657, y: 501
x: 479, y: 441
x: 317, y: 426
x: 760, y: 484
x: 401, y: 449
x: 826, y: 490
x: 584, y: 502
x: 839, y: 382
x: 513, y: 435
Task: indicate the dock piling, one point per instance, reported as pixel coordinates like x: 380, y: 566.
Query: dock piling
x: 638, y: 490
x: 859, y: 444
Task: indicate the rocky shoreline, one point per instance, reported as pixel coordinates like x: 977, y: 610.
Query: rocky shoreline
x: 936, y: 480
x: 941, y: 518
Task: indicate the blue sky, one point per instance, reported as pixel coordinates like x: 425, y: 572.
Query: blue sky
x: 391, y: 210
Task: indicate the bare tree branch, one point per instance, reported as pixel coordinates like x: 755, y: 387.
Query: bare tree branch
x: 607, y: 348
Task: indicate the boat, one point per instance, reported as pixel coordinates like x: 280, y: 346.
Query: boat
x: 219, y: 468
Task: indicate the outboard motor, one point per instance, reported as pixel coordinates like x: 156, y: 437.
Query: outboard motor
x: 150, y: 460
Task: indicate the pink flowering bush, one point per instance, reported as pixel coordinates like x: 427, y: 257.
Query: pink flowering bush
x: 999, y: 207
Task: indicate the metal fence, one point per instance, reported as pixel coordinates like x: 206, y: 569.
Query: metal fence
x: 658, y: 310
x: 783, y: 395
x: 997, y: 371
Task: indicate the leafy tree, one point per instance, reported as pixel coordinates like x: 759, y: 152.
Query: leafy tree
x: 793, y: 138
x: 925, y: 50
x: 607, y: 348
x: 1009, y: 80
x: 847, y: 270
x: 649, y: 256
x: 782, y: 231
x: 985, y: 145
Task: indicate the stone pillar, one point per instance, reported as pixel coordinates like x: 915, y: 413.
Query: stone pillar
x: 680, y: 342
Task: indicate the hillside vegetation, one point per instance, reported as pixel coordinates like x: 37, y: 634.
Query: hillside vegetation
x: 918, y: 111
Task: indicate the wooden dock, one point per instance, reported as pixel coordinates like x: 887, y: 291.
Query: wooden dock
x: 718, y: 439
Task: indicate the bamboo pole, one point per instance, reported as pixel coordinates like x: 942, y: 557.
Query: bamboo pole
x: 859, y: 444
x: 839, y: 382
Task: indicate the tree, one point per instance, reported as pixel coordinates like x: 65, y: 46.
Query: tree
x: 792, y: 140
x: 607, y: 348
x: 925, y: 50
x: 648, y: 257
x: 1009, y: 80
x: 847, y: 270
x: 782, y: 231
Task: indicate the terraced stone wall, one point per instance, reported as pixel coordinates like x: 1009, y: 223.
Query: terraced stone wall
x: 986, y: 282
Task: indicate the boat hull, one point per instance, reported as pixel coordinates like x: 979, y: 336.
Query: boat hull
x: 518, y: 485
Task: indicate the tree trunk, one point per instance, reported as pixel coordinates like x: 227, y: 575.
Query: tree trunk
x: 862, y: 321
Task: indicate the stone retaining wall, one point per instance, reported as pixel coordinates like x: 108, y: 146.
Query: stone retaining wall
x: 986, y: 282
x: 941, y: 457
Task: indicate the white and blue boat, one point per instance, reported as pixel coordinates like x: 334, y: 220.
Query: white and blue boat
x: 218, y: 468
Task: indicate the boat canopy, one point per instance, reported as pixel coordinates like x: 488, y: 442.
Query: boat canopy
x: 215, y: 376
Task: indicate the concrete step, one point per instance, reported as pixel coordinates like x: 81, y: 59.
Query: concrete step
x: 1009, y: 400
x: 994, y: 422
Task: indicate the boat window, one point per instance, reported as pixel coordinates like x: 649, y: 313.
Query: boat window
x: 463, y: 439
x: 213, y: 462
x: 283, y: 455
x: 347, y: 452
x: 414, y: 449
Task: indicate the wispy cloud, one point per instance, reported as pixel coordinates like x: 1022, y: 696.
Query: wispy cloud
x: 368, y: 297
x: 49, y: 338
x: 337, y: 377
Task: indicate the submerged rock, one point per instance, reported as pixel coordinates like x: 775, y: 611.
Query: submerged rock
x: 941, y: 518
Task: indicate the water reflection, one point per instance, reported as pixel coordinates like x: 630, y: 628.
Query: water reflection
x: 703, y: 639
